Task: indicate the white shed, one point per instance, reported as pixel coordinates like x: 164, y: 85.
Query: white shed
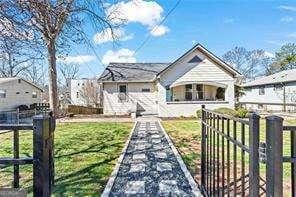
x: 16, y: 91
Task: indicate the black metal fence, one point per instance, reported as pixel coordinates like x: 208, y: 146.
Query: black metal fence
x: 231, y: 156
x: 42, y: 161
x: 225, y: 150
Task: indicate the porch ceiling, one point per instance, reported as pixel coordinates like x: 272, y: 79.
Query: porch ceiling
x: 212, y: 83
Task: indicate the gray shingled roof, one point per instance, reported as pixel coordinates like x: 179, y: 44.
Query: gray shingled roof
x: 132, y: 71
x: 283, y: 76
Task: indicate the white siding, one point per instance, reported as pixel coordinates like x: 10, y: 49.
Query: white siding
x: 271, y: 96
x: 147, y: 101
x: 205, y: 71
x: 24, y: 96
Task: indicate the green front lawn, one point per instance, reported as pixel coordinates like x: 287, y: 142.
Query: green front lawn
x: 85, y: 154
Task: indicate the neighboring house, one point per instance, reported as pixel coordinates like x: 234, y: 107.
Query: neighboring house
x: 169, y: 90
x: 16, y: 91
x: 271, y: 93
x: 84, y: 92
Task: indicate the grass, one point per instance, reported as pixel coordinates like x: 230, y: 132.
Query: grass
x: 186, y: 135
x: 85, y: 154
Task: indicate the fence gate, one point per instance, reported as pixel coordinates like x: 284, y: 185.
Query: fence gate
x: 42, y: 161
x: 231, y: 156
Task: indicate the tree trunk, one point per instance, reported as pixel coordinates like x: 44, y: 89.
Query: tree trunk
x: 52, y: 73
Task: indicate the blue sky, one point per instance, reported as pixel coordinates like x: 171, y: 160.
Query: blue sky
x: 218, y: 25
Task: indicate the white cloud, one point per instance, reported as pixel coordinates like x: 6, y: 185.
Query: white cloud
x: 287, y: 19
x: 292, y: 35
x: 106, y: 36
x: 159, y: 31
x: 79, y: 59
x: 121, y: 55
x: 274, y: 42
x: 147, y: 13
x: 228, y: 20
x: 269, y: 54
x: 287, y: 8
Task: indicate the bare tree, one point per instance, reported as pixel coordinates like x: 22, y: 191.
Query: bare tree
x: 56, y: 22
x: 250, y: 63
x: 90, y: 93
x: 35, y: 74
x: 16, y: 56
x: 69, y: 71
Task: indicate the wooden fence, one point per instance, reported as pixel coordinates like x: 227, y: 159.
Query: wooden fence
x: 231, y: 156
x: 75, y: 109
x: 42, y: 161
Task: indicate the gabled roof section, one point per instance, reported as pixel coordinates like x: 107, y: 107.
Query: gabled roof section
x: 208, y: 54
x: 131, y: 72
x: 277, y: 78
x: 11, y: 79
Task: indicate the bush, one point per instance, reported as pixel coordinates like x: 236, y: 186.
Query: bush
x: 242, y: 113
x: 226, y: 111
x: 198, y: 113
x: 239, y: 112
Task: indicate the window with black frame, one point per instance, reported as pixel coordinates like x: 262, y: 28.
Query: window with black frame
x: 188, y: 92
x: 200, y: 91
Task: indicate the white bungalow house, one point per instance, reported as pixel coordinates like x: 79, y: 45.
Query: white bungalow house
x: 16, y: 91
x: 169, y: 89
x: 276, y: 92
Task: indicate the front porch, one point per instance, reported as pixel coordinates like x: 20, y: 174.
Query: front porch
x: 194, y: 92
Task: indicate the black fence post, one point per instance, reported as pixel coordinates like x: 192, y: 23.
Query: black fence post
x: 16, y: 168
x: 203, y: 147
x: 254, y: 129
x: 274, y: 156
x: 293, y: 166
x: 51, y: 149
x: 41, y: 153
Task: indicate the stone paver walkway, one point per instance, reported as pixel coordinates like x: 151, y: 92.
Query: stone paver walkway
x: 150, y: 166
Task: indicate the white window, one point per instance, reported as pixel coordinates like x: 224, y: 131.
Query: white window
x: 2, y: 94
x: 34, y: 94
x: 261, y: 90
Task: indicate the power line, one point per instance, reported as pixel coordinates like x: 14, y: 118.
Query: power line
x: 156, y: 26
